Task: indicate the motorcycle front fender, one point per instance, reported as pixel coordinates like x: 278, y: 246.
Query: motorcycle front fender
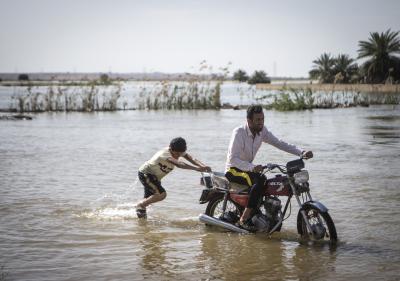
x: 207, y: 195
x: 300, y: 216
x: 318, y: 205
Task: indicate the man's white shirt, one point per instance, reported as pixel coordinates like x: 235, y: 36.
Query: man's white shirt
x: 243, y: 147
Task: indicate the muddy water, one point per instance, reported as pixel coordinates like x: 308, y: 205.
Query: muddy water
x: 68, y: 186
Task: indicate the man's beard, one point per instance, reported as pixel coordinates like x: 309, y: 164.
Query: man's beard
x: 257, y: 129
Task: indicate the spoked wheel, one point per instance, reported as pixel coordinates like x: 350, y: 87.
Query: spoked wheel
x: 321, y: 224
x: 215, y: 209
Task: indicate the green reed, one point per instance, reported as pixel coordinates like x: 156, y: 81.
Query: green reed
x: 303, y: 99
x: 196, y: 93
x: 181, y: 95
x: 294, y: 100
x: 65, y: 98
x: 200, y: 91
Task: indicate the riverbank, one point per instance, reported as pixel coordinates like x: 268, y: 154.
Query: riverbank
x: 74, y: 83
x: 355, y: 88
x: 192, y: 95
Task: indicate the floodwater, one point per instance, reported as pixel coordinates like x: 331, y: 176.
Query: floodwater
x: 68, y: 186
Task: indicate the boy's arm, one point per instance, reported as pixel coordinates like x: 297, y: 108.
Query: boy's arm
x: 186, y: 166
x: 196, y: 162
x: 183, y: 165
x: 193, y: 160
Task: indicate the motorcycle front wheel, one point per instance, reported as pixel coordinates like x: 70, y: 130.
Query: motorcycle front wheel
x: 215, y: 208
x: 321, y: 224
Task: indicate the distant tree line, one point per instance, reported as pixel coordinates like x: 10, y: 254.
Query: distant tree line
x: 259, y: 76
x: 23, y: 77
x: 382, y: 64
x: 103, y: 79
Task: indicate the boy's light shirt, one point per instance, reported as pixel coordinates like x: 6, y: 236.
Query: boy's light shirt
x: 158, y: 165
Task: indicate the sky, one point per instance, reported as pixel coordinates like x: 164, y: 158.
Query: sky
x: 280, y: 37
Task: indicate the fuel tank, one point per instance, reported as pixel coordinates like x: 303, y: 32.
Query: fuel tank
x: 278, y: 185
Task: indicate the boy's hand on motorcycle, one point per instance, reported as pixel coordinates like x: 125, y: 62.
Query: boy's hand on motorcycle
x: 258, y: 169
x: 205, y: 169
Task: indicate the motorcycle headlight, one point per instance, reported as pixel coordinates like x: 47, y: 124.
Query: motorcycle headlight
x: 301, y: 177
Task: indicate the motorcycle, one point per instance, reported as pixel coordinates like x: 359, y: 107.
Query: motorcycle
x: 227, y: 201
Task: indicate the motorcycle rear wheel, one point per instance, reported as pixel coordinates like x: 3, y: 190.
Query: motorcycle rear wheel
x: 318, y: 221
x: 215, y: 207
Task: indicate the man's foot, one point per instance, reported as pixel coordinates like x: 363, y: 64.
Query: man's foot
x: 141, y: 212
x: 247, y: 225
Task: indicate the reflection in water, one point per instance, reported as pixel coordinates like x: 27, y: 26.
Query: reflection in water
x: 314, y: 262
x: 154, y: 254
x: 237, y: 257
x: 384, y: 117
x: 384, y: 137
x: 385, y: 129
x: 258, y: 257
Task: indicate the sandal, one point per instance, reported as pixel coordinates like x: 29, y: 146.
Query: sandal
x: 141, y: 212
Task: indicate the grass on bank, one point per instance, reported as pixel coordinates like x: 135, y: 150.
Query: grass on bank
x: 165, y: 95
x: 191, y: 95
x: 105, y: 95
x: 304, y: 99
x: 83, y: 98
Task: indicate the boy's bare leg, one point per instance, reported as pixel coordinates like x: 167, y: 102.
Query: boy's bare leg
x: 152, y: 199
x: 246, y: 214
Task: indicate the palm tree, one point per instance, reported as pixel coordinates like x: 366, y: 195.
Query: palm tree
x: 346, y: 66
x: 380, y: 49
x: 323, y: 68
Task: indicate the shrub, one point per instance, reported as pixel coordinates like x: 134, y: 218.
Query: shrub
x: 23, y: 77
x: 259, y: 77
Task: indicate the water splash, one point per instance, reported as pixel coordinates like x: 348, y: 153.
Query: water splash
x: 122, y: 211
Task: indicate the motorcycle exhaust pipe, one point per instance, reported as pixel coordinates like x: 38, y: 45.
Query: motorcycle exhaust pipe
x: 216, y: 222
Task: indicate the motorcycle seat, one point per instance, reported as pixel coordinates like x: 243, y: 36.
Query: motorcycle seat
x: 238, y: 188
x: 220, y: 181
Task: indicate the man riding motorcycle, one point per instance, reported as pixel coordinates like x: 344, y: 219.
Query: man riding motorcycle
x: 243, y: 146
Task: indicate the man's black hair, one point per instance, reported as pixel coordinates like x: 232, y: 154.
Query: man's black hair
x: 178, y: 144
x: 253, y: 109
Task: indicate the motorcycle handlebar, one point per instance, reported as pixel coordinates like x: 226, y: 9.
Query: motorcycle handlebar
x: 270, y: 167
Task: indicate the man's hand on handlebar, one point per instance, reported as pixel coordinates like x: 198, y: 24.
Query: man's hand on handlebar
x: 307, y: 154
x: 258, y: 169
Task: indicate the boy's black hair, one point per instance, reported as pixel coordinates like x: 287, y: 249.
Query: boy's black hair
x: 178, y: 144
x: 253, y: 109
